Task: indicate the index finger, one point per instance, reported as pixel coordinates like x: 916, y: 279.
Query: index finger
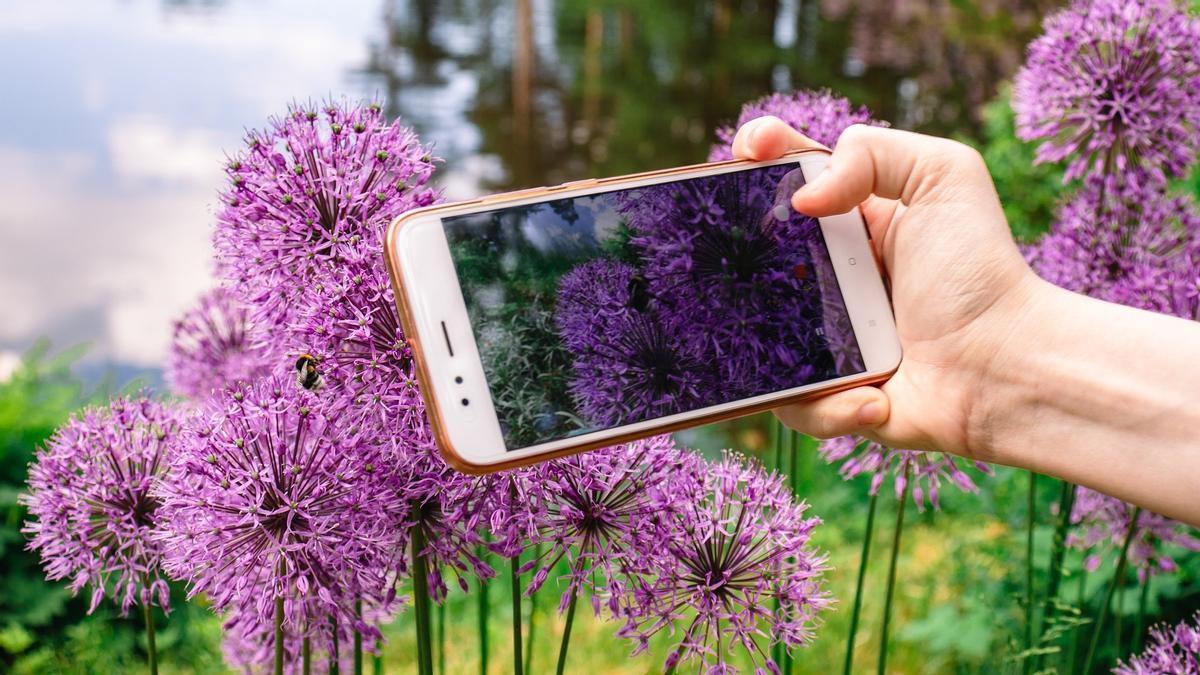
x: 769, y: 137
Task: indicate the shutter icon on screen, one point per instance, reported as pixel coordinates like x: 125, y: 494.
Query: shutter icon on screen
x: 853, y: 261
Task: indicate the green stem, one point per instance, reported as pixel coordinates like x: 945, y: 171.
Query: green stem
x: 778, y: 440
x: 335, y: 650
x: 1112, y: 587
x: 482, y: 616
x: 421, y: 603
x: 279, y: 635
x: 1030, y: 519
x: 514, y: 576
x: 858, y: 587
x: 566, y: 638
x: 377, y: 660
x: 891, y: 580
x: 151, y: 647
x: 1141, y: 613
x: 441, y: 630
x: 532, y: 614
x: 306, y: 656
x: 1079, y: 602
x: 358, y: 651
x: 1066, y: 503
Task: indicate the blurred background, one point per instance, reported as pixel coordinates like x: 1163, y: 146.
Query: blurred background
x: 115, y: 119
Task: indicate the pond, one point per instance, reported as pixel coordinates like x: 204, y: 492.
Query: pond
x: 118, y: 113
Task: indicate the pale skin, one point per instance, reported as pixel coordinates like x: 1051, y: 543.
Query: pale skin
x: 998, y: 365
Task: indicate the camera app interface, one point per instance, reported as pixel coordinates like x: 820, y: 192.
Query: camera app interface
x: 600, y: 311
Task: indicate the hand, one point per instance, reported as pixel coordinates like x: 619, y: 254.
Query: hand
x: 959, y: 285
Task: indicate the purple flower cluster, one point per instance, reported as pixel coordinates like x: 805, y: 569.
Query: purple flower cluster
x: 1174, y: 650
x: 215, y: 345
x: 728, y: 301
x: 925, y: 470
x: 737, y: 570
x: 1114, y: 85
x: 309, y: 191
x: 92, y: 511
x: 820, y: 115
x: 271, y: 494
x: 1102, y: 525
x: 606, y: 513
x: 1125, y: 242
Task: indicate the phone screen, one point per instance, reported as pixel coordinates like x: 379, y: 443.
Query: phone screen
x: 608, y: 309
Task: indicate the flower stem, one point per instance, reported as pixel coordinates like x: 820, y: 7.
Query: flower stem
x: 421, y: 602
x: 335, y: 650
x: 778, y: 440
x: 441, y: 647
x: 858, y: 587
x: 891, y: 580
x: 306, y: 656
x: 151, y: 648
x: 1027, y: 664
x: 279, y: 635
x: 1141, y: 613
x: 378, y: 661
x: 532, y: 614
x: 566, y: 638
x: 358, y: 652
x: 514, y: 576
x: 482, y: 612
x: 1112, y: 587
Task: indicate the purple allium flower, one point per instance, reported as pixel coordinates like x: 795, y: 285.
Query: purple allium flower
x: 736, y: 546
x: 215, y: 345
x: 606, y: 513
x: 1174, y: 650
x: 820, y: 115
x: 307, y: 191
x: 1125, y: 242
x: 351, y: 325
x: 1102, y: 526
x: 91, y: 508
x: 441, y: 503
x: 273, y: 494
x: 1114, y: 85
x: 628, y: 364
x: 926, y: 470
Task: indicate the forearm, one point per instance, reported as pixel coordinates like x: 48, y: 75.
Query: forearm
x: 1101, y: 395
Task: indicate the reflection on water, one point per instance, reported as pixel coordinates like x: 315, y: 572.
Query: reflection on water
x: 111, y: 142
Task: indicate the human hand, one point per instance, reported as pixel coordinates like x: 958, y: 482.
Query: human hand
x: 959, y: 285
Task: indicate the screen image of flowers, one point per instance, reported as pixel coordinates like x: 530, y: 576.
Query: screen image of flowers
x: 235, y: 472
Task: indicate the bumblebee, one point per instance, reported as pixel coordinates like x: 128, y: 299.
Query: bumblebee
x: 307, y: 373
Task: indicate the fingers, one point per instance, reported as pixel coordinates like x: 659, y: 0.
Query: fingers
x: 768, y: 138
x: 846, y: 412
x: 887, y: 163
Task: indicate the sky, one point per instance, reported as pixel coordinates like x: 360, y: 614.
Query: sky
x: 116, y: 121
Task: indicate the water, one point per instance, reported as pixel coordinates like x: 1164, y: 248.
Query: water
x: 116, y: 115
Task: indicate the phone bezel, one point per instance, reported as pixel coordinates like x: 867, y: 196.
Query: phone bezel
x: 428, y: 297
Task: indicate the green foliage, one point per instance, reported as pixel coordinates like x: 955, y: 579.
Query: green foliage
x: 1028, y: 191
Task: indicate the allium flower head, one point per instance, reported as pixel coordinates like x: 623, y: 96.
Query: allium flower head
x: 308, y: 190
x: 351, y: 325
x: 1125, y: 242
x: 820, y: 115
x: 606, y: 513
x: 737, y: 546
x: 273, y: 494
x: 925, y: 470
x: 91, y: 507
x: 1102, y: 525
x: 440, y: 502
x: 214, y: 345
x: 1115, y: 85
x: 1173, y: 650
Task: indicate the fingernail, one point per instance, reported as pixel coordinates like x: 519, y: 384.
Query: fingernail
x: 870, y: 414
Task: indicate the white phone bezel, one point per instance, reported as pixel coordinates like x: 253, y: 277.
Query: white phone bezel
x: 434, y: 300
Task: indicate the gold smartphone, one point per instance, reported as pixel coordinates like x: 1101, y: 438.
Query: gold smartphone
x: 560, y: 319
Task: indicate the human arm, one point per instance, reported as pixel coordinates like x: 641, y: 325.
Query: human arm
x: 998, y: 365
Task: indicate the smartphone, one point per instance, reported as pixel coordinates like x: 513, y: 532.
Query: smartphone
x: 560, y: 319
